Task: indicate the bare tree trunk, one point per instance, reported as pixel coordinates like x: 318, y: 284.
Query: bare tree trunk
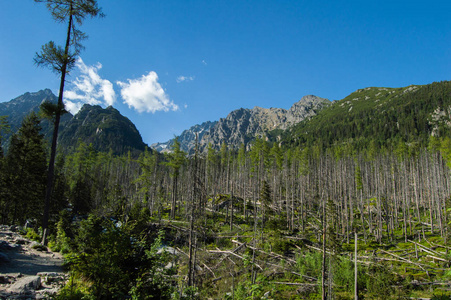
x: 356, y: 294
x: 323, y: 265
x: 51, y: 170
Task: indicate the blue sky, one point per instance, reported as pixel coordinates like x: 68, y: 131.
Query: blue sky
x: 168, y: 64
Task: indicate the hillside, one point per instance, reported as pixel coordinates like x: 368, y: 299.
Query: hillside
x: 106, y: 129
x: 381, y: 116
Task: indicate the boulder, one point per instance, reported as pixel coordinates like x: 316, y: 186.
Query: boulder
x: 25, y: 285
x: 4, y: 245
x: 169, y: 250
x: 21, y: 241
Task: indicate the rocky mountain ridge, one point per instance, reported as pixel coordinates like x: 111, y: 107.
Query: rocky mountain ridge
x: 187, y: 138
x: 106, y: 129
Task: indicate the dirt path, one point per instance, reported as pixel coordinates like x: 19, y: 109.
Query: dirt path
x: 20, y: 264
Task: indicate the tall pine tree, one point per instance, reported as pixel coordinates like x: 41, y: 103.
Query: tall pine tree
x: 25, y: 172
x: 61, y: 61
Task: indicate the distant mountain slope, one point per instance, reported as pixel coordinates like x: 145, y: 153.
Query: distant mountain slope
x: 382, y: 116
x: 187, y: 138
x: 17, y: 108
x: 241, y: 126
x: 106, y: 128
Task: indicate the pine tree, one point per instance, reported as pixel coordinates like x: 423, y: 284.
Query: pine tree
x: 25, y: 171
x: 4, y: 127
x: 175, y: 161
x: 61, y: 60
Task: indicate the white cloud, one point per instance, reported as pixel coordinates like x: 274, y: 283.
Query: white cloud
x: 185, y: 78
x: 89, y: 88
x: 146, y: 94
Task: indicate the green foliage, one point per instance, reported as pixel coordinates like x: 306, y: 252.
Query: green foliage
x: 310, y: 264
x: 176, y: 158
x: 25, y: 169
x: 343, y: 275
x: 75, y: 289
x: 33, y: 235
x: 80, y: 177
x: 147, y: 163
x: 381, y: 281
x: 4, y: 129
x: 246, y: 290
x: 62, y: 242
x: 49, y: 110
x: 59, y: 59
x: 116, y: 263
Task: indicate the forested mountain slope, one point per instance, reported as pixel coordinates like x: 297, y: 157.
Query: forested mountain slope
x: 106, y: 129
x: 383, y: 117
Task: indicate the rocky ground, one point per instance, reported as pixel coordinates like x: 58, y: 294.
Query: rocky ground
x: 27, y: 270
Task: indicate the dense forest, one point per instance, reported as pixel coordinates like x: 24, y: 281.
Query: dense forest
x: 269, y: 223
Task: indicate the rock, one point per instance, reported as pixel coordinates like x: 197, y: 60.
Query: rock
x: 38, y: 246
x: 169, y: 250
x: 4, y: 279
x: 4, y: 245
x: 242, y: 125
x: 21, y: 241
x: 15, y: 246
x: 51, y: 277
x: 14, y: 228
x: 169, y: 266
x: 46, y: 293
x: 25, y: 285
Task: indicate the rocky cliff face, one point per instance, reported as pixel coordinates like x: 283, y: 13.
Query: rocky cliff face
x: 306, y: 108
x: 17, y: 108
x: 187, y: 138
x: 241, y: 126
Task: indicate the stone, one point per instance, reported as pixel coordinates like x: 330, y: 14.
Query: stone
x: 4, y: 245
x: 51, y: 277
x: 4, y: 279
x: 169, y: 266
x: 25, y: 285
x: 38, y: 246
x: 21, y: 241
x: 169, y: 250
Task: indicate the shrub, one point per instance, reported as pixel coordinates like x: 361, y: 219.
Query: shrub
x: 117, y: 264
x: 32, y: 235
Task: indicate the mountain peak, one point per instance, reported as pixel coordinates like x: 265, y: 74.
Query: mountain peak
x: 243, y: 124
x: 105, y: 128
